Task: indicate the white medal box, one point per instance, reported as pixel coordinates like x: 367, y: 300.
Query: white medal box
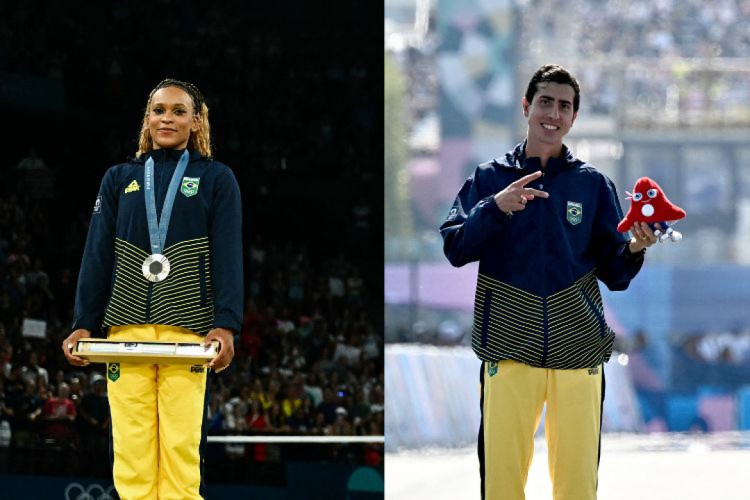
x: 153, y: 352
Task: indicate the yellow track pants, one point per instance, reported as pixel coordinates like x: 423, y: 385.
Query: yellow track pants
x: 513, y: 395
x: 157, y: 421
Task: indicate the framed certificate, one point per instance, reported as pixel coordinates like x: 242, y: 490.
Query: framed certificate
x: 153, y: 352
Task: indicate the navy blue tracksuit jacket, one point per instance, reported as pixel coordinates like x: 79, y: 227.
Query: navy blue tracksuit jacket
x: 204, y: 289
x: 537, y: 297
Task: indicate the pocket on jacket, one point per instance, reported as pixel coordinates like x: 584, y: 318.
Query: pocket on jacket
x: 202, y: 279
x: 593, y: 308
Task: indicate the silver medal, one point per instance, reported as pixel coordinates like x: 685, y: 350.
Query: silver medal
x: 155, y: 267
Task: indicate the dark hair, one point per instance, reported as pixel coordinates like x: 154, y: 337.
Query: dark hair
x: 191, y: 90
x: 557, y: 74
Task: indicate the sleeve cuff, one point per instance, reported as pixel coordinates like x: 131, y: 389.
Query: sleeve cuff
x: 97, y: 331
x: 88, y: 322
x: 227, y: 322
x: 497, y: 214
x: 630, y: 256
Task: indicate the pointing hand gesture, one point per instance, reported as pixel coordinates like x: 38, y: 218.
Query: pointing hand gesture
x: 515, y: 196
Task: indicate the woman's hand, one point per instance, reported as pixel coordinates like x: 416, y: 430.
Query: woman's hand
x: 69, y: 345
x: 226, y: 351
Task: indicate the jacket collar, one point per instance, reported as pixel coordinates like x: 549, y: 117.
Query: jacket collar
x: 161, y: 155
x: 516, y: 159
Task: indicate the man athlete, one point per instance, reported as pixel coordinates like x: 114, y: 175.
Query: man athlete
x: 543, y: 226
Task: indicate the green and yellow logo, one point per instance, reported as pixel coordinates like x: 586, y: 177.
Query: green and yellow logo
x: 492, y: 368
x: 113, y: 371
x: 133, y: 186
x: 574, y: 212
x: 190, y: 186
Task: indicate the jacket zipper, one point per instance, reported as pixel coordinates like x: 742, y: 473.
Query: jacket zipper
x: 202, y: 278
x: 544, y: 276
x: 148, y: 303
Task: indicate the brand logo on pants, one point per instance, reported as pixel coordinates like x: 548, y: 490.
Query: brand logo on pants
x: 197, y: 369
x: 593, y: 371
x: 493, y: 366
x: 113, y: 371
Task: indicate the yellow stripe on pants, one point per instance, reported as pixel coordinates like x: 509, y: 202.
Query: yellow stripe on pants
x: 157, y: 416
x: 513, y: 397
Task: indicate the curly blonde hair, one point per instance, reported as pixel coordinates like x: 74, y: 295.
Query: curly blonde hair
x: 199, y: 140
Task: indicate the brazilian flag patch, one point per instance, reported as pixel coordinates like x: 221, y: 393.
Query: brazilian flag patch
x: 113, y: 371
x: 190, y: 186
x: 574, y: 212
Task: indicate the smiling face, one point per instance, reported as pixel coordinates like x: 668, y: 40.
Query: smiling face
x: 171, y: 118
x: 550, y: 116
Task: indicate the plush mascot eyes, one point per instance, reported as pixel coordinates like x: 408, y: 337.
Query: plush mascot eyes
x: 637, y: 196
x: 652, y: 193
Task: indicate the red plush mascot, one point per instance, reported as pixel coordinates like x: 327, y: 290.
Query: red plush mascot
x: 649, y: 204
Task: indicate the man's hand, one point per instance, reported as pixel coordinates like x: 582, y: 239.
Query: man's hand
x: 515, y: 196
x: 226, y: 351
x: 69, y: 345
x: 644, y: 237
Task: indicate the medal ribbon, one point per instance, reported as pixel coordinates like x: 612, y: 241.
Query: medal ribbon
x: 158, y: 232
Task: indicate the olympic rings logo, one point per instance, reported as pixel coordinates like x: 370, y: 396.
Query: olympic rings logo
x: 76, y: 491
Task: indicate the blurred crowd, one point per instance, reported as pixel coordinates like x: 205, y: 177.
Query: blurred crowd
x: 618, y: 42
x: 719, y: 359
x: 685, y: 28
x: 701, y: 389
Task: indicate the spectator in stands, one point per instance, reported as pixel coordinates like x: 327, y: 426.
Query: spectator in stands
x: 276, y: 420
x: 299, y: 422
x: 293, y: 399
x: 313, y: 391
x: 30, y: 404
x: 14, y: 388
x: 361, y: 408
x: 257, y: 417
x: 34, y: 370
x: 648, y: 383
x: 235, y: 423
x: 328, y: 406
x: 215, y: 415
x: 320, y: 427
x: 258, y: 394
x: 94, y: 410
x: 59, y: 412
x: 93, y: 417
x: 340, y: 426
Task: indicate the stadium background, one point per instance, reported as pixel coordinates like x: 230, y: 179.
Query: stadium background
x: 665, y: 93
x: 294, y: 91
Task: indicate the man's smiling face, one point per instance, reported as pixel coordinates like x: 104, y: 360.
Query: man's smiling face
x: 550, y: 114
